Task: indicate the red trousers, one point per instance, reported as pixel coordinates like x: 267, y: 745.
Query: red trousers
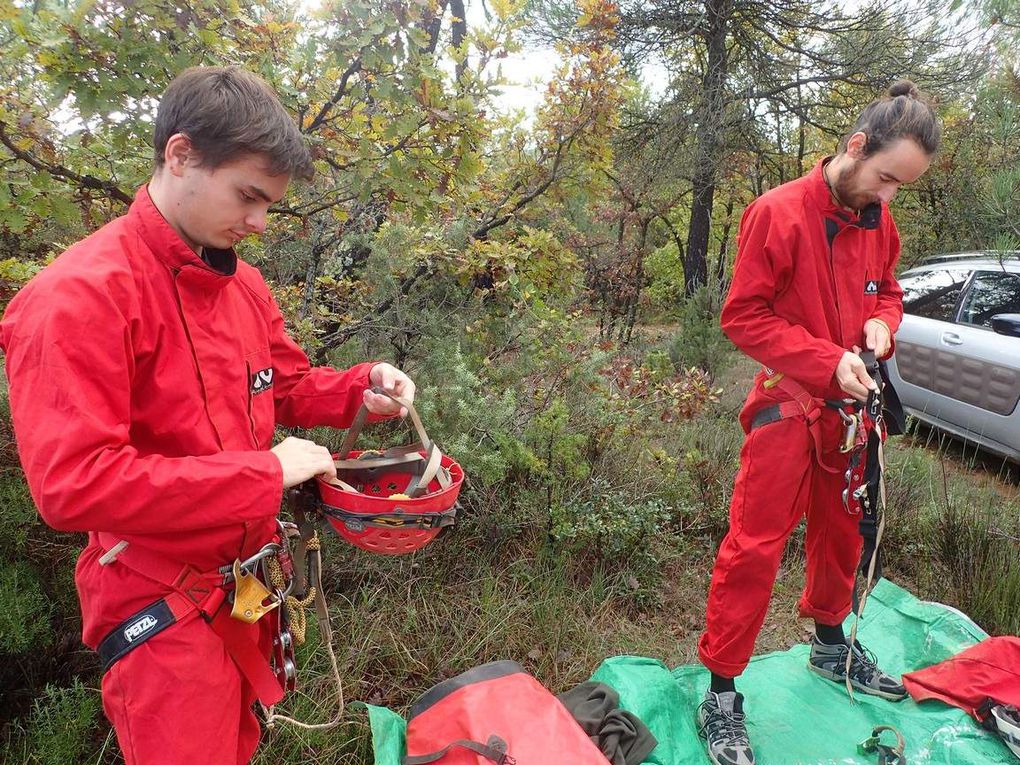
x: 179, y: 698
x: 780, y: 482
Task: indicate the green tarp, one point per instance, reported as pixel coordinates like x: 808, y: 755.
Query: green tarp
x: 795, y: 717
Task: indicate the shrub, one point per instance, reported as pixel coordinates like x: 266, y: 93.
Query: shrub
x: 700, y: 341
x: 62, y: 723
x: 24, y: 610
x: 606, y: 524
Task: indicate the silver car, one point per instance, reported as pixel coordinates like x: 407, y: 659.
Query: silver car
x: 957, y: 361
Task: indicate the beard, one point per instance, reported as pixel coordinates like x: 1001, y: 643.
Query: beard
x: 846, y: 190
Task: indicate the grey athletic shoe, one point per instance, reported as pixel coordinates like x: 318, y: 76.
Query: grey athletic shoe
x: 721, y: 724
x: 829, y: 661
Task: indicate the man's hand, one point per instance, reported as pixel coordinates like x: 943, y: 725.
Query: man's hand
x: 877, y: 337
x: 302, y: 459
x: 852, y: 376
x: 394, y: 382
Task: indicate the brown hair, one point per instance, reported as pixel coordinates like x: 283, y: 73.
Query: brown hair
x: 226, y: 113
x: 902, y: 113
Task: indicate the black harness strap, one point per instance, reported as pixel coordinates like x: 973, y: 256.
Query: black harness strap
x: 134, y: 631
x: 394, y: 520
x: 869, y: 489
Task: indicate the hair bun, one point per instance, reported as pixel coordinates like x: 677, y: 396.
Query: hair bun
x: 903, y: 88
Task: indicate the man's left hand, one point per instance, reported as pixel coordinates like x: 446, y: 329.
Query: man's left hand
x: 394, y: 382
x: 877, y: 337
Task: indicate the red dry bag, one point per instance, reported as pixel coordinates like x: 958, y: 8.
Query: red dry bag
x: 495, y: 713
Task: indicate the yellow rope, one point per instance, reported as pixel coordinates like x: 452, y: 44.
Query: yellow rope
x: 271, y: 716
x: 296, y: 614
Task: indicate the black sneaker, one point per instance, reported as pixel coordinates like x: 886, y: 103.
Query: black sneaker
x: 721, y: 724
x: 829, y: 661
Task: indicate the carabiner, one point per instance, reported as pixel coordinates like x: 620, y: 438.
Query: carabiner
x: 272, y: 548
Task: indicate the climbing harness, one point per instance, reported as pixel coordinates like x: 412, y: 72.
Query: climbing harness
x: 230, y: 598
x: 395, y: 501
x: 887, y: 755
x: 864, y: 434
x: 276, y: 583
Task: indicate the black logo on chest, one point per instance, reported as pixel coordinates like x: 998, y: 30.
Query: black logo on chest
x: 261, y: 381
x: 871, y: 287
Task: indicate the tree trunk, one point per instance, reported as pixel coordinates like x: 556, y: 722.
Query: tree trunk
x: 709, y: 141
x: 720, y: 270
x: 638, y: 281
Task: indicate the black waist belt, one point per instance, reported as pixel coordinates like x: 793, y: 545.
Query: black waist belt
x: 776, y: 412
x: 134, y: 631
x: 766, y: 416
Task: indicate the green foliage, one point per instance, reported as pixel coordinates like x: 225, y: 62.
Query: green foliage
x: 61, y: 725
x: 955, y: 535
x: 504, y: 264
x: 607, y: 525
x: 467, y: 416
x: 19, y: 514
x: 700, y: 341
x: 665, y: 272
x: 24, y: 611
x: 977, y: 547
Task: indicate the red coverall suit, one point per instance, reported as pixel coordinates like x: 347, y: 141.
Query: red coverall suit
x: 808, y: 276
x: 144, y: 390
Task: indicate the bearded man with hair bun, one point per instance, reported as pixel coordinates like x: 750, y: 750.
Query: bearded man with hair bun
x: 812, y: 288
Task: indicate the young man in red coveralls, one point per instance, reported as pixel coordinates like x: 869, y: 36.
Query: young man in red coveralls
x: 813, y: 285
x: 148, y: 367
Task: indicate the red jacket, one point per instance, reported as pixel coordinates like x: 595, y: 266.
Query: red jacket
x: 144, y: 390
x: 988, y: 670
x: 796, y: 304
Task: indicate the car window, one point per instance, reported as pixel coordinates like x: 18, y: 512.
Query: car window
x: 933, y: 294
x: 991, y: 293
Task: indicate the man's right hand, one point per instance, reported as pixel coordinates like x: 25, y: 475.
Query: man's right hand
x: 302, y: 459
x: 852, y: 376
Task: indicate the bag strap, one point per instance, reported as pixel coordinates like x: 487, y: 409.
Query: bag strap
x: 494, y: 750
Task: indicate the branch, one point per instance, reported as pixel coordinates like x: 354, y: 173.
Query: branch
x: 482, y: 231
x: 341, y: 90
x: 59, y: 171
x: 433, y: 27
x: 341, y: 336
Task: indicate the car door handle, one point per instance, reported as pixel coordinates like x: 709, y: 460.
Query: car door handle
x: 951, y: 338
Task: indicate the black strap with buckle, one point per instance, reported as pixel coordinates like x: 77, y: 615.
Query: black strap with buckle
x: 424, y: 521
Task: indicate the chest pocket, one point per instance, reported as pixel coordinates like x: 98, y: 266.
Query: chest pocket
x: 261, y: 408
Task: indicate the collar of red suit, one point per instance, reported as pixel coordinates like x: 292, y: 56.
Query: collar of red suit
x: 214, y: 270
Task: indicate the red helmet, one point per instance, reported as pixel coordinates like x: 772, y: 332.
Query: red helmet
x: 391, y: 502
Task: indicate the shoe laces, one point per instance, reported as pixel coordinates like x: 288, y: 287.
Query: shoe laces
x: 863, y: 665
x: 725, y: 727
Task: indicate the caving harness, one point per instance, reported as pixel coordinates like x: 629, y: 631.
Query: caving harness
x: 865, y: 428
x: 391, y: 502
x: 277, y: 583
